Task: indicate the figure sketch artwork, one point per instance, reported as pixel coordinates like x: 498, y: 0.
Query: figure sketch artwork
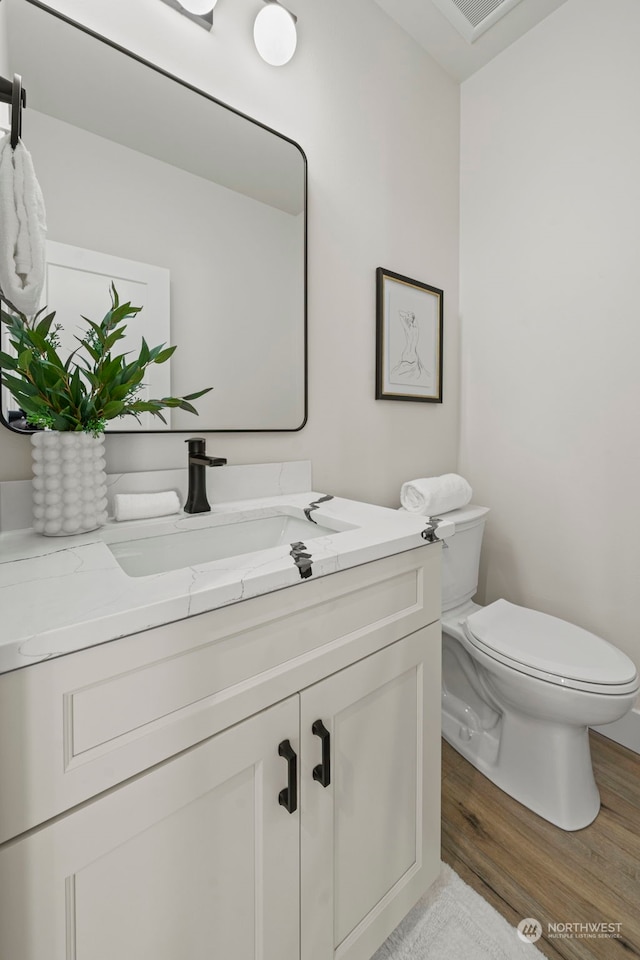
x: 409, y: 368
x: 409, y: 339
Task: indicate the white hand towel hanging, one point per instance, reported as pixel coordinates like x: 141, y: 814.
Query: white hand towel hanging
x: 23, y: 229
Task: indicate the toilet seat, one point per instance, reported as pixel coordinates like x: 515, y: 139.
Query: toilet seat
x: 550, y: 649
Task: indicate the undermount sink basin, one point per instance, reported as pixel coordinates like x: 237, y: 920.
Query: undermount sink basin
x: 146, y: 555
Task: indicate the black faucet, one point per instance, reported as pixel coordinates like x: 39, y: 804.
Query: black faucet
x: 198, y: 460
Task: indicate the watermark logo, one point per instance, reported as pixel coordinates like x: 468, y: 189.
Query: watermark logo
x: 585, y: 931
x: 529, y: 930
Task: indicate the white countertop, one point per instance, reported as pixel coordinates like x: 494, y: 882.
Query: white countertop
x: 62, y: 594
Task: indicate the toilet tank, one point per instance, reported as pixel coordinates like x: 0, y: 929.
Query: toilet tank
x: 461, y: 556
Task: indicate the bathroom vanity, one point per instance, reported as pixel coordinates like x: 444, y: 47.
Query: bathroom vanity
x: 248, y: 774
x: 219, y: 733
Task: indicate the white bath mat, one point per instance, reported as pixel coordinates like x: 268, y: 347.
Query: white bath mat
x: 453, y: 922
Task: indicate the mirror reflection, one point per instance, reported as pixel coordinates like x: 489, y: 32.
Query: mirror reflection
x: 196, y: 212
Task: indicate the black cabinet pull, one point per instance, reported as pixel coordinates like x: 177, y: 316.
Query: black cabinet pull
x: 289, y: 796
x: 322, y: 773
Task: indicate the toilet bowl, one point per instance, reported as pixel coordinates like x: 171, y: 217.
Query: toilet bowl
x: 521, y: 688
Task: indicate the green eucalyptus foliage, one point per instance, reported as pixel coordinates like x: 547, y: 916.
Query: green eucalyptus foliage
x: 92, y: 385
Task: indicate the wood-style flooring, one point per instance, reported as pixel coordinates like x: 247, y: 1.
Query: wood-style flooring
x: 526, y: 867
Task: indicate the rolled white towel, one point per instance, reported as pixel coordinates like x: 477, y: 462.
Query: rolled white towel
x: 142, y: 506
x: 430, y: 496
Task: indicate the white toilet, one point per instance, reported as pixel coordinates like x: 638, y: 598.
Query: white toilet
x: 520, y: 688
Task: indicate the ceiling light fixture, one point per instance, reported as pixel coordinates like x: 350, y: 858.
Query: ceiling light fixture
x: 200, y: 11
x: 274, y: 33
x: 198, y: 6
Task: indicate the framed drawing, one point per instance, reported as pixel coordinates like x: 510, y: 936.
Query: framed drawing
x: 408, y: 339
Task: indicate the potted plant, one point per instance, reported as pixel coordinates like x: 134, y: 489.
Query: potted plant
x: 69, y: 401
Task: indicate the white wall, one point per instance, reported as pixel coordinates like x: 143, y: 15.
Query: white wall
x: 378, y: 120
x: 550, y: 248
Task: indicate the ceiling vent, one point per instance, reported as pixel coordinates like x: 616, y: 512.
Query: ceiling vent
x: 472, y: 17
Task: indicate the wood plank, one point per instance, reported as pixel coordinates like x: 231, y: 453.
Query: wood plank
x: 497, y: 902
x: 526, y: 866
x: 451, y: 759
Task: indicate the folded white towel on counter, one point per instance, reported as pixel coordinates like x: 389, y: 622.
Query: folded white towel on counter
x: 24, y: 227
x: 143, y: 506
x: 431, y: 496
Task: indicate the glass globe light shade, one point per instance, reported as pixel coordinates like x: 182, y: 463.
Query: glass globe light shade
x: 274, y: 34
x: 199, y: 7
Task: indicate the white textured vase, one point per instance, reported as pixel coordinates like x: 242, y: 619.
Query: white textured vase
x: 69, y: 482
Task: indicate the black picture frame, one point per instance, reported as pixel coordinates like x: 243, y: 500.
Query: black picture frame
x: 409, y: 335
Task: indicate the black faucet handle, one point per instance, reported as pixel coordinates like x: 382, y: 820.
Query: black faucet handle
x: 196, y: 444
x: 197, y: 450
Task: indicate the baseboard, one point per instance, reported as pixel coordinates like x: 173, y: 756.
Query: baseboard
x: 625, y: 731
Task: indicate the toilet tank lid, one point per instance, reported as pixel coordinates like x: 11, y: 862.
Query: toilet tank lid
x: 549, y: 644
x: 472, y: 512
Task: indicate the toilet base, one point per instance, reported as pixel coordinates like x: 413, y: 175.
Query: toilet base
x: 544, y: 765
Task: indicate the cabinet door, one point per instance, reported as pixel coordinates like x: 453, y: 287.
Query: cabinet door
x: 370, y: 839
x: 192, y: 861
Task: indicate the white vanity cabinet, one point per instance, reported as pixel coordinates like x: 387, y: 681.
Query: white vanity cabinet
x: 370, y: 840
x: 193, y: 860
x: 303, y: 825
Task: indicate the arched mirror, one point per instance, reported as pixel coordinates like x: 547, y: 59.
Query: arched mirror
x: 196, y: 212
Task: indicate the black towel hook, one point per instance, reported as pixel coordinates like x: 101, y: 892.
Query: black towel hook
x: 18, y: 101
x: 11, y: 91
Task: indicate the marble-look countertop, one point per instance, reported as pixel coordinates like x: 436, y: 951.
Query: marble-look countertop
x: 62, y: 594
